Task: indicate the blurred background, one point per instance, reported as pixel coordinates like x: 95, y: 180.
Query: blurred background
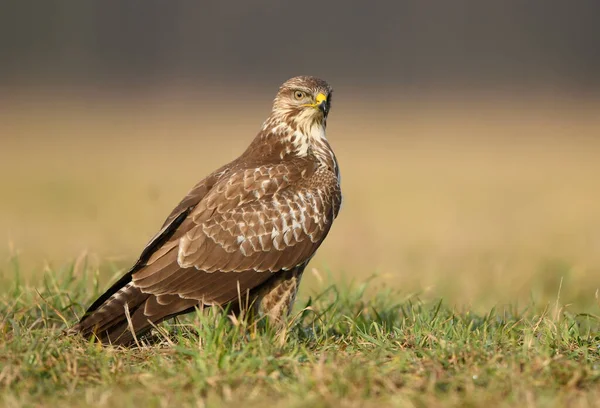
x: 468, y: 133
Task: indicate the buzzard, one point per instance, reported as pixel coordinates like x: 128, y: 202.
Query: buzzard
x: 243, y: 235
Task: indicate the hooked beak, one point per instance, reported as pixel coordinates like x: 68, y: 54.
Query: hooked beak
x: 321, y: 103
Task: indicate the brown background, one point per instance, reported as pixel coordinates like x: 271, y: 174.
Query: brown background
x: 467, y: 133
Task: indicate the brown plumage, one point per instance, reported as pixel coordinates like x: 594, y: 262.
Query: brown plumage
x: 244, y: 234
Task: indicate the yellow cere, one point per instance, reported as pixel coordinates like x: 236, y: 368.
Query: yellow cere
x: 320, y: 98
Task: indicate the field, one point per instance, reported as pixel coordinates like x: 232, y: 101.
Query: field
x: 464, y: 269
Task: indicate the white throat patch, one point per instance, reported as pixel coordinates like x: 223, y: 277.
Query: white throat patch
x: 314, y: 137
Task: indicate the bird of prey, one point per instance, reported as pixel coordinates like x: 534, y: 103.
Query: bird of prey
x: 243, y: 235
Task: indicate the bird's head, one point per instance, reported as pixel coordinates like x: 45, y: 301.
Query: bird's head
x: 303, y: 101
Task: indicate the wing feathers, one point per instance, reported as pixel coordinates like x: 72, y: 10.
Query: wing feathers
x: 229, y: 235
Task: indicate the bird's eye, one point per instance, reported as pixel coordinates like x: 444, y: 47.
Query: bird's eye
x: 299, y: 95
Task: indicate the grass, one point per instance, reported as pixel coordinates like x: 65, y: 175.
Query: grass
x: 342, y: 347
x: 478, y: 215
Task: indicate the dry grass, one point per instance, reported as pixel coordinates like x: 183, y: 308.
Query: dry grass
x: 342, y: 348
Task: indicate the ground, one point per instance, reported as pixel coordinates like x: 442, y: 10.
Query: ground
x: 343, y: 348
x: 464, y: 269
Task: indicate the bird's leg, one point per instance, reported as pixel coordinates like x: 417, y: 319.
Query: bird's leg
x: 275, y: 297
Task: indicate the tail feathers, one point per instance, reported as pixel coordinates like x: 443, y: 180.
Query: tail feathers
x: 111, y: 324
x: 101, y: 320
x: 154, y: 310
